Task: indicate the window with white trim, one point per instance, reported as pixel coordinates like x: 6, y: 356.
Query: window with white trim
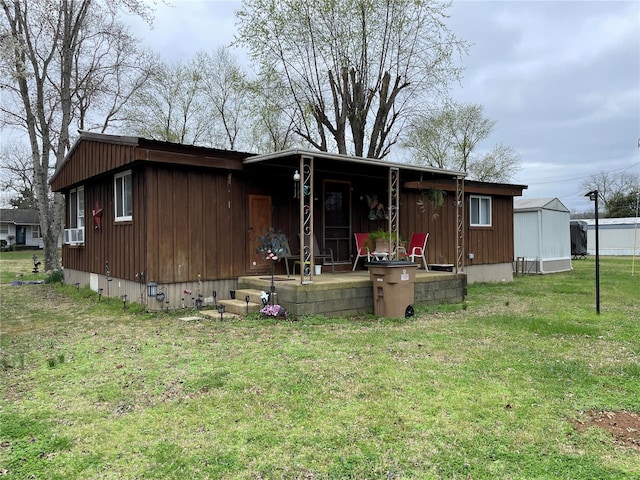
x: 74, y: 235
x: 122, y: 196
x: 35, y: 231
x: 76, y: 208
x: 4, y: 229
x: 480, y: 211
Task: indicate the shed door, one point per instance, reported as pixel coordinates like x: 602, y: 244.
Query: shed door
x: 259, y: 223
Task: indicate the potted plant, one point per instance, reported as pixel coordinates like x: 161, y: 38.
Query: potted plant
x: 381, y: 241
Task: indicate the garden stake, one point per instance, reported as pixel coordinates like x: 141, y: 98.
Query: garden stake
x: 246, y: 299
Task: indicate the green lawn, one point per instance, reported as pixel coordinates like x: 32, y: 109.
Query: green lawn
x: 487, y: 389
x: 18, y: 266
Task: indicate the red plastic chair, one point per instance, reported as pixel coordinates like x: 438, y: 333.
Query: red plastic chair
x: 361, y: 250
x: 418, y: 248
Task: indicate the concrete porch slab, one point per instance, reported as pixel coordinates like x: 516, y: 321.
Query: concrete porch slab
x: 351, y: 293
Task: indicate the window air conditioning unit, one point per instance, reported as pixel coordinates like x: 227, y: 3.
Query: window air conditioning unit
x: 74, y: 236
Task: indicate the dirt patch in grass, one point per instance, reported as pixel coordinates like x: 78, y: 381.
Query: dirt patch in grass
x: 623, y: 425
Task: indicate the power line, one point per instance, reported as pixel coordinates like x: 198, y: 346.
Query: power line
x: 582, y: 178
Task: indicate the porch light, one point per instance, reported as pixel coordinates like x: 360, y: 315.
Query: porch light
x: 296, y: 184
x: 593, y: 196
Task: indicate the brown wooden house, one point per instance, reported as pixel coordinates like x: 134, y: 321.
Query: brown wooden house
x: 186, y: 217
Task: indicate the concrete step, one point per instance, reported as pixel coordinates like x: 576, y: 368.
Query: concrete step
x: 254, y: 295
x: 215, y: 315
x: 239, y: 307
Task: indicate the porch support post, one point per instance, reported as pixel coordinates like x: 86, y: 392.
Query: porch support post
x: 460, y: 224
x: 306, y: 221
x: 394, y: 202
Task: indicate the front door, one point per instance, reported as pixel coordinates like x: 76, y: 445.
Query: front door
x: 337, y: 219
x: 21, y: 234
x: 259, y: 223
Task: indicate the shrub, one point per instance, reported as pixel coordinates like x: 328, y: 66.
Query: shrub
x: 56, y: 276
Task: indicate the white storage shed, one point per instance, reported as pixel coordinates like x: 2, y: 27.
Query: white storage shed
x: 618, y: 236
x: 542, y: 241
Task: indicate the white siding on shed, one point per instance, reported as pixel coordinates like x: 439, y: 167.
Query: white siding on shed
x: 542, y: 234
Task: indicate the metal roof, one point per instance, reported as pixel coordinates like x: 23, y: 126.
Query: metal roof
x: 530, y: 204
x: 350, y: 159
x: 613, y: 221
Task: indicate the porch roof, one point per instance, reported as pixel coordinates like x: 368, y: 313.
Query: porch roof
x: 286, y: 158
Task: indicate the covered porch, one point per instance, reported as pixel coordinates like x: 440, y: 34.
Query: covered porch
x: 327, y: 198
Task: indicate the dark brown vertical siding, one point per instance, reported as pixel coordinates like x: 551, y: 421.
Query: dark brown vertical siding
x: 220, y: 200
x: 152, y: 239
x: 119, y: 243
x: 493, y: 244
x: 179, y: 190
x: 439, y: 222
x: 91, y: 159
x: 209, y: 227
x: 195, y: 211
x: 239, y: 226
x: 196, y: 225
x: 164, y: 235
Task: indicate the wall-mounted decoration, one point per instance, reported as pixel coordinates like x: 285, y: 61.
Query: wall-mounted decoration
x: 376, y: 209
x: 97, y: 216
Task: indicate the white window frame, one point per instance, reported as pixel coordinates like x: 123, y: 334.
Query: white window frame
x: 74, y: 235
x: 35, y: 232
x: 121, y: 198
x: 77, y: 220
x: 4, y: 229
x: 478, y: 211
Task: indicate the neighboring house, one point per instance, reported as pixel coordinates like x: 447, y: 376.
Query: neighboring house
x: 542, y: 235
x: 187, y: 217
x: 617, y: 236
x: 20, y: 227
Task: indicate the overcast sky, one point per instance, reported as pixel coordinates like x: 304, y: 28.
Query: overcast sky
x: 560, y: 78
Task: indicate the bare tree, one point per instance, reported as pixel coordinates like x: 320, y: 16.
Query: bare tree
x: 16, y: 169
x: 611, y: 186
x: 467, y: 127
x: 449, y: 139
x: 499, y: 165
x: 355, y: 69
x: 225, y: 87
x: 169, y: 106
x: 271, y: 124
x: 202, y: 101
x: 430, y: 141
x: 47, y: 50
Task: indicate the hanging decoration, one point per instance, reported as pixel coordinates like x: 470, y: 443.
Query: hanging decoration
x: 97, y: 216
x: 376, y: 208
